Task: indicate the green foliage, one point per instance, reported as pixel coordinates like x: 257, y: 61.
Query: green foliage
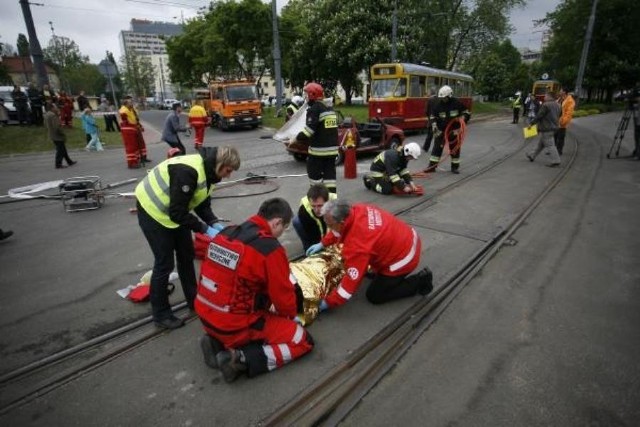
x: 23, y: 45
x: 86, y: 77
x: 138, y: 74
x: 614, y: 60
x: 232, y: 40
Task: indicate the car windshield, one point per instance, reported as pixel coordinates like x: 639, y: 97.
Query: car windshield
x: 241, y: 93
x: 388, y: 88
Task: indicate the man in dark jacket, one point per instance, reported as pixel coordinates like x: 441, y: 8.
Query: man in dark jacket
x: 547, y: 121
x: 321, y: 133
x: 21, y: 103
x: 36, y: 99
x: 171, y: 128
x: 57, y: 136
x: 166, y: 196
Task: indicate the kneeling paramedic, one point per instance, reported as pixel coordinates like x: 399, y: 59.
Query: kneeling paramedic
x: 376, y: 238
x: 309, y: 224
x: 166, y: 197
x: 389, y: 171
x: 245, y: 272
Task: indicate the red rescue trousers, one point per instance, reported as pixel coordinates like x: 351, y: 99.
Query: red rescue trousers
x: 268, y: 343
x: 134, y: 147
x: 198, y: 137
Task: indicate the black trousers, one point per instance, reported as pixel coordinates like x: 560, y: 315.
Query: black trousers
x: 516, y: 115
x: 322, y: 170
x: 178, y: 145
x: 111, y: 122
x: 388, y: 288
x: 558, y: 137
x: 164, y: 242
x: 36, y: 115
x: 61, y: 153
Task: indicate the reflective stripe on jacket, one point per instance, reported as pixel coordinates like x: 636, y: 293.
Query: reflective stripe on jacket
x: 153, y: 191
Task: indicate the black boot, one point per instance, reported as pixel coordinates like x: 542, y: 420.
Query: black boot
x: 425, y: 285
x: 230, y: 364
x: 210, y: 348
x: 431, y: 168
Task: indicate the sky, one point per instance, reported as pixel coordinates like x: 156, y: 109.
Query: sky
x: 95, y: 25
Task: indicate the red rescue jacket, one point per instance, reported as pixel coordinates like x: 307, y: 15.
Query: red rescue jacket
x: 373, y: 237
x: 245, y: 270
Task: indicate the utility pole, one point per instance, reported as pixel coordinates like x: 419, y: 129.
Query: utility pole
x: 394, y: 31
x: 34, y: 45
x: 277, y: 59
x: 585, y: 50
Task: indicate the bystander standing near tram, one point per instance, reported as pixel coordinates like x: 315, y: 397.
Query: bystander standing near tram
x: 321, y: 134
x: 567, y: 104
x: 165, y: 198
x: 445, y: 111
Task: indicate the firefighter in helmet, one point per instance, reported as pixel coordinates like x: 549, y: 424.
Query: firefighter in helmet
x: 389, y: 170
x: 447, y: 109
x: 321, y: 134
x: 294, y: 106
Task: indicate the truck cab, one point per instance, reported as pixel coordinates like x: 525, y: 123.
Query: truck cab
x: 234, y: 104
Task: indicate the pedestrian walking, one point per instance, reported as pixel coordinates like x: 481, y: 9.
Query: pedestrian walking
x: 198, y: 119
x: 516, y: 105
x: 91, y: 129
x: 547, y: 121
x: 56, y: 134
x: 172, y: 127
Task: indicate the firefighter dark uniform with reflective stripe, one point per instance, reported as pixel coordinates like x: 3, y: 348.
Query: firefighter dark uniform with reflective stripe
x: 247, y: 297
x: 447, y: 108
x: 165, y: 198
x: 389, y: 170
x: 310, y: 228
x: 321, y: 132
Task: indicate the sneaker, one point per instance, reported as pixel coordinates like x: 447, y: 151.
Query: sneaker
x: 230, y: 365
x: 87, y: 148
x: 456, y: 171
x: 210, y: 348
x: 60, y: 166
x: 171, y: 322
x: 6, y: 234
x: 71, y: 163
x: 426, y: 281
x: 553, y: 165
x: 530, y: 157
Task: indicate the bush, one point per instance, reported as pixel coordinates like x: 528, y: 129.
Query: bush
x: 580, y: 113
x: 593, y: 111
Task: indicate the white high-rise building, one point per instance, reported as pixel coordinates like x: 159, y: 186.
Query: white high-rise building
x: 148, y: 38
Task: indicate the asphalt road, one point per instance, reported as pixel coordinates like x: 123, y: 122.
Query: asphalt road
x: 546, y: 335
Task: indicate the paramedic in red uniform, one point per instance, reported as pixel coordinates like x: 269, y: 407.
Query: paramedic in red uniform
x: 198, y: 120
x: 376, y: 238
x: 131, y: 129
x: 245, y: 272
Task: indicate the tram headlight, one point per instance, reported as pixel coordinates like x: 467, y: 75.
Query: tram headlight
x: 379, y: 111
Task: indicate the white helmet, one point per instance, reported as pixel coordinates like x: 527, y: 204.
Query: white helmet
x: 445, y: 91
x: 412, y: 149
x: 518, y: 93
x: 298, y: 100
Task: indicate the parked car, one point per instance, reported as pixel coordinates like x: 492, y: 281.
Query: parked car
x: 5, y: 94
x: 372, y: 136
x: 168, y: 103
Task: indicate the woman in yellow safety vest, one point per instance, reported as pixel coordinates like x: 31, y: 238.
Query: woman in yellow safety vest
x: 165, y: 199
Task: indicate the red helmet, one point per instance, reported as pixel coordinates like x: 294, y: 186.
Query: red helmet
x: 314, y: 91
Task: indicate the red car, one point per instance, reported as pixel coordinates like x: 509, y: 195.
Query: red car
x: 373, y: 136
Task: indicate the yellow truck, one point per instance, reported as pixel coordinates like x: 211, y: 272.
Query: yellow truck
x: 231, y: 104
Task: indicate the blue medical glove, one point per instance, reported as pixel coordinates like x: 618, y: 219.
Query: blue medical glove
x: 218, y: 226
x: 212, y: 232
x: 314, y: 249
x: 323, y: 305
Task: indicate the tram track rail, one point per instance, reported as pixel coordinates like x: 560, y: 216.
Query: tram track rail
x: 75, y: 361
x: 331, y: 398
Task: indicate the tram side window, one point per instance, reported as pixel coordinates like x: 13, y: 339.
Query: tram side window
x: 417, y: 89
x: 432, y: 86
x: 401, y: 88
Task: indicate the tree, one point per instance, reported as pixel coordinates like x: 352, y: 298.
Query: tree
x: 492, y: 77
x: 63, y: 52
x: 23, y: 45
x: 138, y: 74
x: 614, y: 60
x: 85, y: 77
x: 231, y: 40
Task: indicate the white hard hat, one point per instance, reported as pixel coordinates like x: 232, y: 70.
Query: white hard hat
x: 298, y: 100
x: 412, y: 149
x: 518, y: 93
x: 445, y: 91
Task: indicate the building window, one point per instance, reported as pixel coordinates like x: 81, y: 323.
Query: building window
x: 265, y: 84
